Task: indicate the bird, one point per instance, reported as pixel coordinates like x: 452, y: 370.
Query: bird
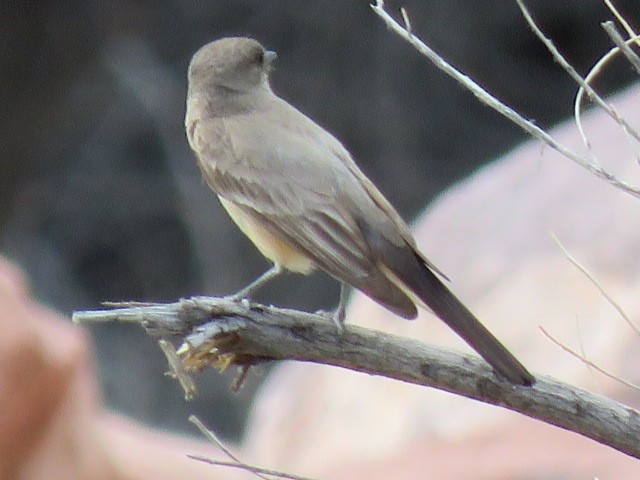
x: 295, y: 191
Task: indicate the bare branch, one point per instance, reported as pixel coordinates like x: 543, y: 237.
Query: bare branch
x: 620, y: 18
x: 589, y: 363
x: 249, y: 333
x: 620, y: 42
x: 498, y: 106
x: 618, y: 308
x: 213, y: 438
x: 248, y: 468
x: 557, y: 56
x: 593, y: 73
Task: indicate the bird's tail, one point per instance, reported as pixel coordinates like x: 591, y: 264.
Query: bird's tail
x: 451, y: 310
x: 418, y: 279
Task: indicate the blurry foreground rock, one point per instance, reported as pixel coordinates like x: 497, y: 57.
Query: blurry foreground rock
x: 492, y: 235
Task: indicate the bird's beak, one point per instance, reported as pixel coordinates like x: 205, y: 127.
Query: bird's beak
x: 269, y: 56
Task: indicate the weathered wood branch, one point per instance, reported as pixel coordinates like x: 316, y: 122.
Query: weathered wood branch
x: 219, y: 331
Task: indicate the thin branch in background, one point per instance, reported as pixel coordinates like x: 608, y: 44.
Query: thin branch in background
x: 557, y: 56
x: 620, y: 42
x: 597, y: 284
x: 249, y: 468
x: 486, y: 98
x: 213, y: 438
x: 591, y: 76
x: 634, y: 38
x: 594, y: 72
x: 589, y: 363
x: 584, y: 353
x: 612, y: 302
x: 614, y: 11
x: 585, y: 84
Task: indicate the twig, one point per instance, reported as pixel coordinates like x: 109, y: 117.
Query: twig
x: 593, y: 73
x: 498, y: 106
x: 620, y: 42
x: 581, y: 344
x: 249, y: 333
x: 633, y: 39
x: 405, y: 18
x: 620, y: 18
x: 557, y: 56
x: 213, y: 438
x: 593, y: 280
x: 249, y: 468
x: 239, y: 379
x: 589, y: 363
x: 177, y: 370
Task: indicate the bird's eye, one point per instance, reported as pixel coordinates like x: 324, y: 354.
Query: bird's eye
x: 259, y: 57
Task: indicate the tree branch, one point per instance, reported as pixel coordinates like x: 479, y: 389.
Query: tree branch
x: 219, y: 331
x: 485, y: 97
x: 620, y: 42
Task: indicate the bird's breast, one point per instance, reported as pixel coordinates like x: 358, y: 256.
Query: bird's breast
x: 269, y: 245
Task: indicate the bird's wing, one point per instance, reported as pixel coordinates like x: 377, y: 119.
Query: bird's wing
x: 277, y: 180
x: 310, y: 222
x: 400, y: 228
x: 301, y: 194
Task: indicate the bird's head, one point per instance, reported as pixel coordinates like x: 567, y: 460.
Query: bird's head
x: 235, y: 64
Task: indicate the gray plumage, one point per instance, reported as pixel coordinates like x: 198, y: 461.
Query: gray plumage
x: 297, y: 193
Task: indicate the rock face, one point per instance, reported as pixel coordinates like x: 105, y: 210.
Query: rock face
x: 493, y: 236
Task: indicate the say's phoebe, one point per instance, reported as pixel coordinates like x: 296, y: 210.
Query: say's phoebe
x: 295, y: 191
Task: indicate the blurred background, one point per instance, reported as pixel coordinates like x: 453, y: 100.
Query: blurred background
x: 100, y: 197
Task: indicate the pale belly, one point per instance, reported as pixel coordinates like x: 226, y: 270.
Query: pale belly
x: 270, y: 246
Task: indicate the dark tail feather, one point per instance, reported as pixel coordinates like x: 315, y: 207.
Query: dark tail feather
x: 413, y: 271
x: 449, y: 309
